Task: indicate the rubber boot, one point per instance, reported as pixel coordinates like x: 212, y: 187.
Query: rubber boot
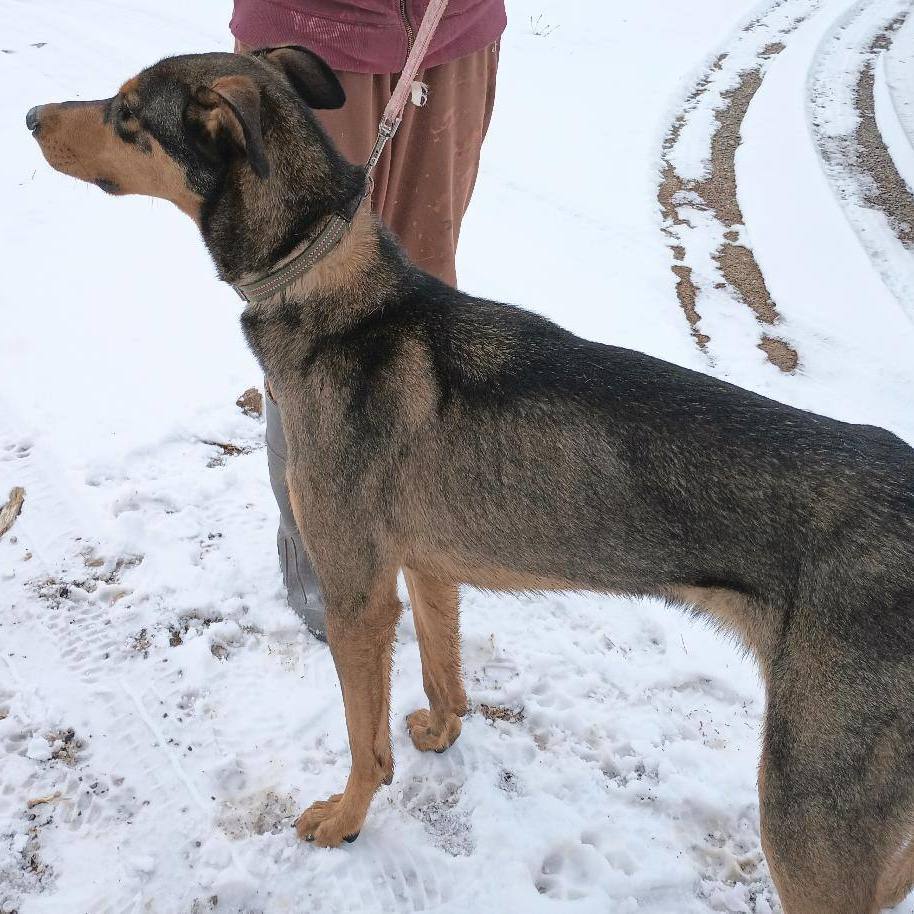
x: 302, y: 591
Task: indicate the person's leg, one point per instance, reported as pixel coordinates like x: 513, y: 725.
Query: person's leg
x: 422, y: 187
x: 302, y: 590
x: 425, y: 177
x: 435, y: 160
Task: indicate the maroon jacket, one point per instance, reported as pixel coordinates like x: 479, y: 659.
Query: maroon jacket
x: 367, y: 36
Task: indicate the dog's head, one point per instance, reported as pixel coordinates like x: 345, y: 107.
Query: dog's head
x: 228, y: 138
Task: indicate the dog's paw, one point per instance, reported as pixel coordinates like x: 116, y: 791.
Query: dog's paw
x: 328, y: 823
x: 427, y: 738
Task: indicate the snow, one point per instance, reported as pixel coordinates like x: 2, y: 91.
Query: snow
x: 141, y: 601
x: 891, y: 125
x: 856, y: 338
x: 899, y: 65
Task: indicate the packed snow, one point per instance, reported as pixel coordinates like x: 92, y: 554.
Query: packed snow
x: 164, y: 716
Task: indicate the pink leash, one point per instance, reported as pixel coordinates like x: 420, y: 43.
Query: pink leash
x: 393, y: 113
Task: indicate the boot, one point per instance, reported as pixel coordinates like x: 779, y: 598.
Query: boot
x: 302, y: 590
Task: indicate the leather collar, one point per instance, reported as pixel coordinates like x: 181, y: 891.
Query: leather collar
x: 313, y: 252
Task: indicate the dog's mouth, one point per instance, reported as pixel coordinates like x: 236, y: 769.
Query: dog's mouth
x: 108, y: 186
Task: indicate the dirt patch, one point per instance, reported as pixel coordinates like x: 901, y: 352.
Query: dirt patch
x: 717, y: 194
x: 265, y: 813
x: 496, y: 712
x: 855, y: 159
x: 251, y: 403
x: 56, y: 591
x: 739, y: 268
x: 65, y: 746
x: 144, y: 640
x: 687, y: 293
x: 779, y: 353
x: 228, y: 450
x: 12, y: 509
x: 141, y: 642
x: 889, y: 192
x: 23, y: 870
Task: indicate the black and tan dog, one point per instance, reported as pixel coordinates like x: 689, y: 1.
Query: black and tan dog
x: 470, y: 442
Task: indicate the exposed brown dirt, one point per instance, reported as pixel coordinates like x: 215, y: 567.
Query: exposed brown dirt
x: 889, y: 192
x: 251, y: 403
x: 687, y: 293
x: 496, y: 712
x: 737, y: 263
x: 779, y: 353
x: 717, y: 193
x: 228, y: 450
x: 11, y: 510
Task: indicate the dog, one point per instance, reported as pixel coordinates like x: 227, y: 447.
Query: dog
x: 466, y: 441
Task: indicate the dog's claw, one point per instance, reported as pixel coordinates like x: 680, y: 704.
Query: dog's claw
x: 327, y: 823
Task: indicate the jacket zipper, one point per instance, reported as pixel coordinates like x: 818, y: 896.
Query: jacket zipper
x: 407, y: 25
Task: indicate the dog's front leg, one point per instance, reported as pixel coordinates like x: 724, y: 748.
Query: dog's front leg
x: 435, y: 606
x: 361, y: 641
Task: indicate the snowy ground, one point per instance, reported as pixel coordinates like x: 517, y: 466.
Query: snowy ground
x: 163, y: 716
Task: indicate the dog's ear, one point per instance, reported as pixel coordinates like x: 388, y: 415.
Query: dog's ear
x: 231, y: 109
x: 310, y: 75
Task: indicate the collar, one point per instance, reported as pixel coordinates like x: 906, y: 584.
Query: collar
x: 313, y: 252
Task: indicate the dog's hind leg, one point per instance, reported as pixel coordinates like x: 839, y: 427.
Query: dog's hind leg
x: 361, y: 640
x: 436, y: 613
x: 817, y: 862
x: 833, y: 785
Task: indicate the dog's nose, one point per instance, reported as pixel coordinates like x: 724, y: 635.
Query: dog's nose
x: 33, y: 118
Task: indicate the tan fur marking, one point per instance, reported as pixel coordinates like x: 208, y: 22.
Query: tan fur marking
x: 131, y: 87
x: 77, y: 142
x: 362, y: 649
x: 232, y: 97
x: 489, y: 577
x: 730, y: 610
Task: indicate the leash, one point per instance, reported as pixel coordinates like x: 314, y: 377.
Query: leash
x: 393, y: 113
x: 335, y: 228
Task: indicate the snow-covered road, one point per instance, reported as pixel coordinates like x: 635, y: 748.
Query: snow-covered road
x: 164, y: 716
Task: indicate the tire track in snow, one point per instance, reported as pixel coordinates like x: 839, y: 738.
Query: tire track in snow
x: 856, y: 160
x: 698, y: 194
x: 70, y: 629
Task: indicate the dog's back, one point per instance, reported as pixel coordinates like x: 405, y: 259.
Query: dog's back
x: 519, y: 445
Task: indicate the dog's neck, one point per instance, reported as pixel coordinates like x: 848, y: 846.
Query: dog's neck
x: 254, y: 226
x: 319, y: 242
x: 353, y: 272
x: 348, y: 286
